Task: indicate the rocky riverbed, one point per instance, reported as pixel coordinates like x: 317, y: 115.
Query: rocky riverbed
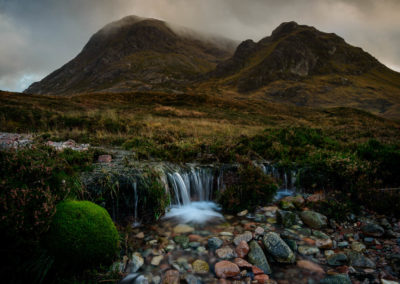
x: 270, y: 246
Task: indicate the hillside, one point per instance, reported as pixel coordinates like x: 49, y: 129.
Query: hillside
x: 302, y: 66
x: 137, y: 53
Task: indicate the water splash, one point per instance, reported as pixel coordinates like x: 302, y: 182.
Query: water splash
x: 198, y: 212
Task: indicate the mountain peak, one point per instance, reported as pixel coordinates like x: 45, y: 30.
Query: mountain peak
x: 284, y: 28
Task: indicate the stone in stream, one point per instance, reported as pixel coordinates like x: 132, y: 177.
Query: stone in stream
x: 171, y: 277
x: 337, y: 259
x: 246, y: 236
x: 225, y: 253
x: 372, y: 230
x: 306, y: 264
x: 308, y: 250
x: 242, y: 249
x: 257, y: 257
x: 286, y: 218
x: 242, y: 213
x: 182, y: 240
x: 183, y: 229
x: 200, y: 267
x: 357, y: 246
x: 135, y: 263
x: 277, y: 247
x: 261, y: 278
x: 156, y: 260
x: 313, y: 219
x: 226, y: 269
x: 324, y: 243
x: 215, y: 243
x: 242, y: 263
x: 357, y: 259
x: 336, y: 279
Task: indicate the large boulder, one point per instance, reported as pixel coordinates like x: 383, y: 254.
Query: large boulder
x: 257, y: 257
x: 313, y: 219
x: 286, y: 218
x: 277, y: 247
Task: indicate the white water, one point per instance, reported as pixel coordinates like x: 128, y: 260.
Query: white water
x: 192, y: 197
x: 136, y: 222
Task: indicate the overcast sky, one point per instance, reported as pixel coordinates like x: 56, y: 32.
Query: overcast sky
x: 39, y: 36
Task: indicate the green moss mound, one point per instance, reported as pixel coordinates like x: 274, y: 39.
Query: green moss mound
x: 82, y: 235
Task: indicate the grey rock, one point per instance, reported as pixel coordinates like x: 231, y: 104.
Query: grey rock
x: 337, y: 259
x: 373, y: 230
x: 257, y: 257
x: 320, y: 235
x: 313, y: 219
x: 225, y: 253
x: 246, y: 236
x: 215, y: 243
x: 277, y: 247
x: 357, y: 259
x: 135, y: 263
x: 336, y: 279
x: 286, y: 218
x: 308, y: 250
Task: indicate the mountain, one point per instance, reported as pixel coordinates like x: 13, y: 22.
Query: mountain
x: 299, y: 65
x: 137, y: 54
x: 296, y: 65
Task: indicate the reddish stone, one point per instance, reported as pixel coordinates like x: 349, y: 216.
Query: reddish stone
x: 242, y: 249
x: 343, y: 269
x: 171, y: 277
x: 309, y: 241
x: 305, y: 264
x: 249, y: 226
x: 194, y: 238
x: 261, y: 278
x: 256, y: 270
x: 242, y: 263
x: 226, y: 269
x: 105, y: 159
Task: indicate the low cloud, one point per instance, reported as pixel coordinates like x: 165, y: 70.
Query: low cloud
x: 39, y: 36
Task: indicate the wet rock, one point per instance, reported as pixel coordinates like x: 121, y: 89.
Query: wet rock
x: 156, y: 280
x: 357, y: 259
x: 357, y: 246
x: 324, y: 244
x: 337, y: 259
x: 259, y: 231
x: 246, y: 236
x: 298, y: 200
x: 306, y: 264
x: 200, y: 267
x: 226, y: 234
x: 242, y: 213
x: 225, y: 253
x: 135, y: 263
x: 183, y: 229
x: 369, y: 240
x: 287, y: 205
x: 286, y: 218
x: 336, y: 279
x: 261, y: 278
x: 191, y: 279
x: 291, y: 243
x: 257, y: 257
x: 226, y: 269
x: 242, y: 249
x: 242, y: 263
x: 171, y: 277
x: 194, y: 245
x: 277, y: 247
x: 139, y: 235
x: 214, y: 243
x: 343, y: 244
x: 308, y: 250
x: 182, y: 240
x: 384, y: 281
x: 320, y: 235
x: 156, y: 260
x: 372, y: 230
x: 313, y: 219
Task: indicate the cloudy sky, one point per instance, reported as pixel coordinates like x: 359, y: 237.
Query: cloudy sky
x: 39, y: 36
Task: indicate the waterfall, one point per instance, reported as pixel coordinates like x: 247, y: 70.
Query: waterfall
x: 193, y: 191
x: 136, y: 222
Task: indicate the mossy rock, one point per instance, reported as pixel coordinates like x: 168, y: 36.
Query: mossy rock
x: 82, y: 235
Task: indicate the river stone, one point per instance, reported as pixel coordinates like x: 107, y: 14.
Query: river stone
x: 286, y: 218
x: 372, y: 230
x: 242, y: 249
x: 286, y: 205
x: 171, y: 277
x: 191, y: 279
x: 337, y: 259
x: 135, y: 263
x: 200, y: 266
x: 156, y: 260
x: 313, y: 219
x: 257, y: 257
x: 182, y: 240
x: 357, y: 246
x: 308, y: 250
x: 225, y: 253
x: 324, y: 243
x: 306, y: 264
x: 226, y: 269
x: 320, y: 235
x: 194, y: 245
x: 336, y: 279
x: 357, y: 259
x: 214, y: 243
x: 183, y: 229
x: 277, y: 247
x: 242, y: 263
x: 246, y: 236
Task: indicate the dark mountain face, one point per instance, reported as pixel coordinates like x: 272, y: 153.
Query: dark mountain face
x: 135, y: 53
x: 291, y: 52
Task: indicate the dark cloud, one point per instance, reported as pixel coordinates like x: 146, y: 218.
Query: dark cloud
x: 38, y: 36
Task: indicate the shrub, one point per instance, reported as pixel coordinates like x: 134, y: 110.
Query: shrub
x: 82, y: 235
x: 253, y: 188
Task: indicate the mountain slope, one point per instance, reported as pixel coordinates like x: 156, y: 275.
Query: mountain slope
x: 136, y: 53
x: 300, y: 65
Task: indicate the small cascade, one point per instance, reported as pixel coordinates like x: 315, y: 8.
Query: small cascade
x: 136, y: 222
x: 193, y: 191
